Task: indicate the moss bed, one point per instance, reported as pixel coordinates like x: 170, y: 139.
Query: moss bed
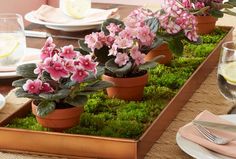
x: 119, y: 118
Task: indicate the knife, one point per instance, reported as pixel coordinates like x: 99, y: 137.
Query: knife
x: 219, y: 126
x: 40, y: 34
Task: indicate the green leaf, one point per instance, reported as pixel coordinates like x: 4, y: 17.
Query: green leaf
x: 83, y: 52
x: 219, y: 6
x: 55, y: 96
x: 229, y: 12
x: 22, y: 94
x: 45, y: 107
x: 119, y: 71
x: 46, y: 76
x: 66, y: 83
x: 79, y: 100
x: 92, y: 77
x: 98, y: 85
x: 108, y: 22
x: 26, y: 70
x: 85, y: 92
x: 157, y: 42
x: 102, y: 54
x: 176, y: 46
x: 216, y: 13
x: 84, y: 46
x: 232, y: 2
x: 19, y: 83
x: 150, y: 64
x: 153, y: 24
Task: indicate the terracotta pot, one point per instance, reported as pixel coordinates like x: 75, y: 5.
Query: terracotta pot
x: 206, y: 24
x: 126, y: 88
x: 59, y: 119
x: 161, y: 50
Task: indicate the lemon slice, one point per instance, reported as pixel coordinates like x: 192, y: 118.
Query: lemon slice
x: 77, y: 8
x: 8, y: 45
x: 229, y: 72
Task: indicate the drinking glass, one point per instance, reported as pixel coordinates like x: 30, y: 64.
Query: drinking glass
x: 226, y: 73
x: 12, y: 39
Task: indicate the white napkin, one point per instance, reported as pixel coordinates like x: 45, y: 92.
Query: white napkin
x: 55, y: 15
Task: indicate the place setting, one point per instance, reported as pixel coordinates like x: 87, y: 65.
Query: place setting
x: 210, y: 136
x: 73, y: 17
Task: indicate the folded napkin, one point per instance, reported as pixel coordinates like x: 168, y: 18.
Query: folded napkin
x: 55, y: 15
x: 191, y: 133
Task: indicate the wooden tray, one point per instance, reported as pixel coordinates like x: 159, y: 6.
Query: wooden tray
x: 77, y: 146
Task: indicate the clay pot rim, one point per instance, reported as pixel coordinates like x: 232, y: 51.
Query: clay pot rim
x: 129, y: 82
x: 56, y: 114
x: 205, y: 19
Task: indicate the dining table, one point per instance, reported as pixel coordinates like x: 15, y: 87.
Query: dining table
x: 206, y: 97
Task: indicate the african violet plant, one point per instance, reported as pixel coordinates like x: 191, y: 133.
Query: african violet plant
x: 122, y: 46
x: 62, y: 76
x: 215, y: 8
x: 175, y: 25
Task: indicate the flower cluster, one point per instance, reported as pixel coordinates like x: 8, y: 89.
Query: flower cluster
x: 62, y: 77
x: 124, y: 40
x: 174, y: 19
x: 59, y: 64
x: 208, y: 7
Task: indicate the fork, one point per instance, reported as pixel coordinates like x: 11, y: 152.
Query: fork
x: 212, y: 137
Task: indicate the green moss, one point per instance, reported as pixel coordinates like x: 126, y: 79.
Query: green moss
x: 119, y: 118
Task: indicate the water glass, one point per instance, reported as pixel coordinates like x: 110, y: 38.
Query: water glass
x: 226, y: 73
x: 12, y: 39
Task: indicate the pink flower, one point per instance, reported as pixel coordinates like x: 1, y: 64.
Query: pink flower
x: 46, y: 88
x: 39, y: 69
x: 56, y: 70
x: 139, y: 59
x: 199, y: 5
x: 33, y: 87
x: 87, y: 63
x: 46, y: 52
x: 68, y: 52
x: 186, y: 3
x: 113, y: 28
x: 49, y: 43
x: 134, y: 52
x: 109, y: 40
x: 128, y: 33
x: 79, y: 75
x: 95, y: 40
x: 145, y: 35
x: 113, y: 51
x: 69, y: 65
x: 123, y: 43
x: 121, y: 59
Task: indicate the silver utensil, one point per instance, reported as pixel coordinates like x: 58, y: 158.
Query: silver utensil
x: 40, y: 34
x: 219, y: 126
x: 212, y: 137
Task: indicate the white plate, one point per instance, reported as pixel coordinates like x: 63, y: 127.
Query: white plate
x: 69, y: 26
x: 13, y: 74
x: 74, y: 28
x: 198, y: 151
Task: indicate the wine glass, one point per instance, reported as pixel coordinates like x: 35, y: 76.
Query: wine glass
x: 12, y: 40
x: 226, y: 73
